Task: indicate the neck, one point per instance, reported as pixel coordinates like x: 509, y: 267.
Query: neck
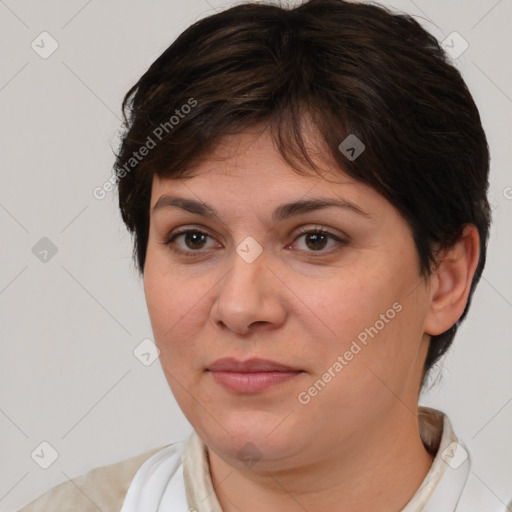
x: 379, y: 470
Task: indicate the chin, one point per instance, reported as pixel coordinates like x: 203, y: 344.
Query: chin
x: 251, y: 435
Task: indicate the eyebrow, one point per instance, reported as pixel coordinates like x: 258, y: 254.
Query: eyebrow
x: 282, y: 212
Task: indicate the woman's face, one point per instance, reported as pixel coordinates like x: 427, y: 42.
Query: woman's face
x: 343, y: 311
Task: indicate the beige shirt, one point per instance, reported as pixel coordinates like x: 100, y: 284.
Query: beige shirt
x: 105, y: 488
x: 101, y: 489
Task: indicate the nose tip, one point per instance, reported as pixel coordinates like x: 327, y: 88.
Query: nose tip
x: 247, y: 299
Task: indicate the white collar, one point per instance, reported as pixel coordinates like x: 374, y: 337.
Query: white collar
x: 442, y: 487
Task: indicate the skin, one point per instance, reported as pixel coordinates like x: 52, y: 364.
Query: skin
x: 355, y: 445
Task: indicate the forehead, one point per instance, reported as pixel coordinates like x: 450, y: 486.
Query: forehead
x: 246, y: 176
x: 251, y: 159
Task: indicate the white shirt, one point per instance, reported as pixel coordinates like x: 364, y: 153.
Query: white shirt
x: 177, y: 478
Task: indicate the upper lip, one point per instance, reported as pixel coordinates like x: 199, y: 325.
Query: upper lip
x: 230, y: 364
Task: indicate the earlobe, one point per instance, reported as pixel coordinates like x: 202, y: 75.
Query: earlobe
x: 451, y: 283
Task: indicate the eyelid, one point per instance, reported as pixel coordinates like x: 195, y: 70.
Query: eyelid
x: 302, y: 230
x: 322, y: 229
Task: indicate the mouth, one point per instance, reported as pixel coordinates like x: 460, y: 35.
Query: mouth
x: 251, y: 376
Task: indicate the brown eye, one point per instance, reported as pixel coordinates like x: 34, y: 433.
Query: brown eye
x: 316, y: 240
x: 194, y: 239
x: 189, y: 242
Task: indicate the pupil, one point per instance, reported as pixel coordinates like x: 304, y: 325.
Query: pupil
x: 195, y: 237
x: 316, y: 237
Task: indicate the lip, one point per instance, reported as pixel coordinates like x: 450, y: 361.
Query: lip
x: 230, y: 364
x: 251, y: 376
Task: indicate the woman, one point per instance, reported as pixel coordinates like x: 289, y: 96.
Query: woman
x: 306, y: 188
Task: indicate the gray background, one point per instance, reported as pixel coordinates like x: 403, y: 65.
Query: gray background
x: 69, y: 325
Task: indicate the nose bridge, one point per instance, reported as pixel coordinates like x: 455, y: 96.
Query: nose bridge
x: 246, y: 294
x: 244, y: 277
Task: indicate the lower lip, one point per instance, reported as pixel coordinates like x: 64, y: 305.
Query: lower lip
x: 248, y: 382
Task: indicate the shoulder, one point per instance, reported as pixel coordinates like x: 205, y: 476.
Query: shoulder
x: 102, y: 488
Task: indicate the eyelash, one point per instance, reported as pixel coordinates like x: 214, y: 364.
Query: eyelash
x: 303, y: 231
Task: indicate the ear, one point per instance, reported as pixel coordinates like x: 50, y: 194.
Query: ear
x: 451, y: 283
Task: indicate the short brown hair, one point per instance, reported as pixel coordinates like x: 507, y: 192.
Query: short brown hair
x: 351, y: 68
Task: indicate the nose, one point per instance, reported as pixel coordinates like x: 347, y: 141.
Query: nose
x: 250, y: 298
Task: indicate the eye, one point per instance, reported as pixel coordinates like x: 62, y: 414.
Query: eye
x: 315, y: 240
x: 192, y: 241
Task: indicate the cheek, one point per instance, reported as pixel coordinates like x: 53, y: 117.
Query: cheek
x: 173, y: 305
x: 176, y: 314
x: 368, y: 316
x: 347, y: 303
